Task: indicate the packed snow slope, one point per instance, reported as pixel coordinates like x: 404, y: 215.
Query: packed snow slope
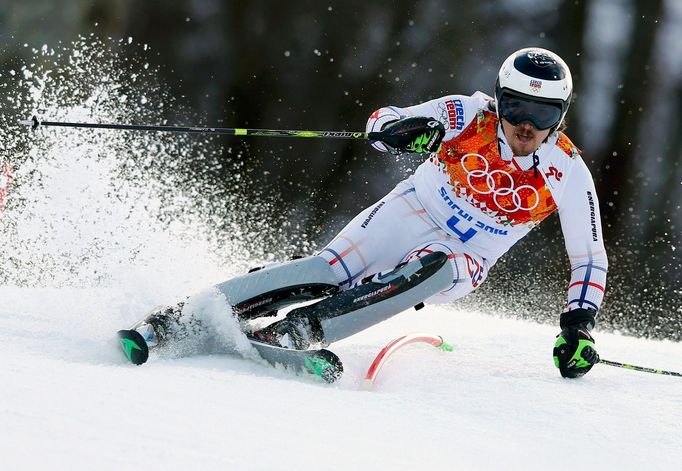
x: 71, y: 401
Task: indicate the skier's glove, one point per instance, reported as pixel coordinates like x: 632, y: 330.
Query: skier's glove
x: 574, y: 350
x: 419, y: 134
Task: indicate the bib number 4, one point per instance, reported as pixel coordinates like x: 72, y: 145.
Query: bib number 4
x: 463, y: 236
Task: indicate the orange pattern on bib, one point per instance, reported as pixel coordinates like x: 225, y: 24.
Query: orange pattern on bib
x: 499, y: 189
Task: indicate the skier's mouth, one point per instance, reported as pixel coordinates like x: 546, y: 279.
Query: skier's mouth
x: 524, y: 138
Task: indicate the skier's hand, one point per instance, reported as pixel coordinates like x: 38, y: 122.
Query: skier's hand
x: 574, y: 351
x: 419, y: 134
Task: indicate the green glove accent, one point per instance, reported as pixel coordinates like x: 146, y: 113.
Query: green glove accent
x: 560, y: 341
x: 577, y: 359
x: 574, y: 352
x: 421, y: 144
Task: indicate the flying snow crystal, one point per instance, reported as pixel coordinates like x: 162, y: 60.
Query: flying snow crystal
x: 88, y: 207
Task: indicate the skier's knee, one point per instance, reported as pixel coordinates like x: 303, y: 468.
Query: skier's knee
x: 380, y: 297
x: 468, y: 274
x: 270, y: 288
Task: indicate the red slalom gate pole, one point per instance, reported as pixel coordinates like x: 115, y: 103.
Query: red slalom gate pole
x: 5, y: 179
x: 397, y: 344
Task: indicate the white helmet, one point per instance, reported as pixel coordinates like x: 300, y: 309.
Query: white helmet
x: 534, y: 85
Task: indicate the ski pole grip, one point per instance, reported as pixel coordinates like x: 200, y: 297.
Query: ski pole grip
x: 33, y: 122
x: 376, y: 135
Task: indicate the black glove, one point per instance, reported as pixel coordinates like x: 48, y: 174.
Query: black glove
x: 574, y: 350
x: 420, y: 134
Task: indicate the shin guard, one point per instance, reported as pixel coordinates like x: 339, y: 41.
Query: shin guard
x: 268, y: 289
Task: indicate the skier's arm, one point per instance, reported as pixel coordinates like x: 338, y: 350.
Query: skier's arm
x: 381, y: 118
x: 451, y: 110
x: 574, y: 350
x: 581, y: 226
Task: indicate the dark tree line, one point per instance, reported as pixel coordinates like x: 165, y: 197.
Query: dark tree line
x: 313, y: 65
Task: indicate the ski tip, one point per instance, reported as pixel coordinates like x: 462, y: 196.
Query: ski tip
x: 326, y: 365
x: 133, y: 346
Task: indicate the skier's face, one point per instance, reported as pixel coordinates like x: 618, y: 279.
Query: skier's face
x: 523, y: 139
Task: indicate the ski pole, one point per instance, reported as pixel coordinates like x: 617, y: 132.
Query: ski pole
x: 35, y: 123
x: 639, y: 368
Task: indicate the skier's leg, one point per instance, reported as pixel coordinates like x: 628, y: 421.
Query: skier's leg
x: 435, y: 272
x: 469, y: 270
x: 374, y: 300
x: 262, y: 292
x: 378, y: 238
x: 259, y: 293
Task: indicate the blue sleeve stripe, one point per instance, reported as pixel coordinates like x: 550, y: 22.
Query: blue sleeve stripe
x: 590, y: 265
x: 396, y: 111
x: 586, y: 281
x: 583, y: 301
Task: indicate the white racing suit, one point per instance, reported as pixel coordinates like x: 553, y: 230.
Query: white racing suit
x: 473, y: 200
x: 464, y: 207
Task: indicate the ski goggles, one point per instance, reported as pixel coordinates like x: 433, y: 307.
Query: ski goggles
x: 518, y: 109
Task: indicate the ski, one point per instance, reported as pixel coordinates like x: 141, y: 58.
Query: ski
x: 317, y: 362
x: 321, y: 363
x: 133, y: 345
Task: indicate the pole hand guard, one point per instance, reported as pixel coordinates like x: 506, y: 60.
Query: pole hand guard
x: 420, y: 134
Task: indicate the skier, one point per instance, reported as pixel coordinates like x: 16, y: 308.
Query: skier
x: 496, y: 168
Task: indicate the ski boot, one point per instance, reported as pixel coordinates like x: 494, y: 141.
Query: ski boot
x: 298, y: 333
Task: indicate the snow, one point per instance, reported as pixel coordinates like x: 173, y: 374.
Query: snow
x: 70, y: 400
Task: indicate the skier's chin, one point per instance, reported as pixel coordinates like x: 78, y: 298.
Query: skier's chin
x: 523, y: 148
x: 523, y: 139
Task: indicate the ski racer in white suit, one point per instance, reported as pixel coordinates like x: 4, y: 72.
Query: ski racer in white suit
x: 496, y: 168
x: 502, y: 167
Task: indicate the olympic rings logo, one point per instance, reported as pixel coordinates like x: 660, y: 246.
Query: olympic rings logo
x: 496, y: 187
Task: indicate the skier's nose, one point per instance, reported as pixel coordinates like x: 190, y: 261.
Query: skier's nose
x: 527, y: 126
